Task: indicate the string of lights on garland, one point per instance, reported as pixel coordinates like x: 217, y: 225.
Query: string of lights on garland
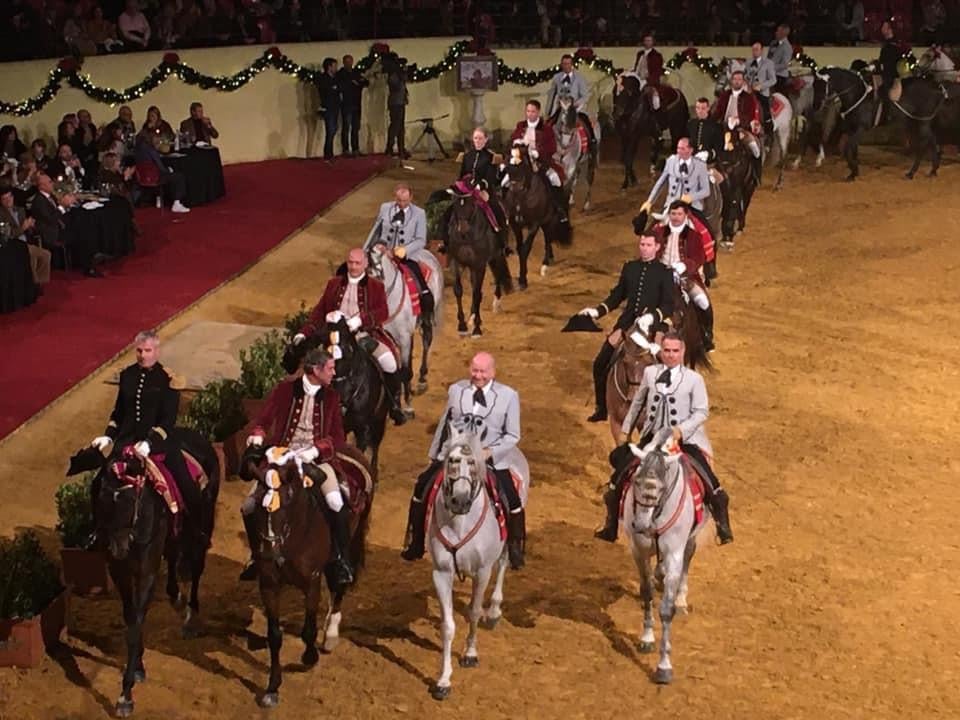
x: 69, y: 70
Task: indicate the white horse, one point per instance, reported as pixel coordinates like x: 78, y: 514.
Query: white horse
x: 659, y: 517
x: 778, y: 144
x: 464, y: 540
x: 574, y: 161
x: 401, y: 323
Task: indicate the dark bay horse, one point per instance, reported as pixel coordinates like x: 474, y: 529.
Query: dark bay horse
x: 624, y: 378
x: 856, y: 101
x: 473, y: 245
x: 920, y: 103
x: 529, y: 205
x: 140, y: 529
x: 635, y: 119
x: 296, y: 549
x: 358, y: 381
x: 736, y: 164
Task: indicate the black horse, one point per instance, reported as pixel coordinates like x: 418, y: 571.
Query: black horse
x: 736, y: 163
x: 140, y: 531
x: 358, y: 380
x: 921, y: 102
x: 473, y: 244
x: 634, y: 119
x: 856, y: 103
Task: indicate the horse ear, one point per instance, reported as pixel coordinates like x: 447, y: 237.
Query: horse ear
x: 638, y: 451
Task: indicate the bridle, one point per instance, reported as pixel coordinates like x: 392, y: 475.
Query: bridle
x: 642, y: 500
x: 476, y: 481
x: 837, y: 96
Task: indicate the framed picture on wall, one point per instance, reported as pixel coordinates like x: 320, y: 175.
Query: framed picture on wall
x: 476, y: 72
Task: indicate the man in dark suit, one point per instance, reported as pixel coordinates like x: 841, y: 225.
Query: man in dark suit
x: 351, y: 83
x: 646, y: 286
x: 397, y: 98
x: 16, y: 219
x: 328, y: 85
x: 54, y: 230
x: 704, y: 133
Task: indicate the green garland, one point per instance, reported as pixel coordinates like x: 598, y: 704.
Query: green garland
x: 68, y: 70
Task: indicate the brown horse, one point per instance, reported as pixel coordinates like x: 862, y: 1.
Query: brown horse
x: 529, y: 205
x: 631, y: 359
x: 634, y: 119
x: 296, y: 549
x: 473, y: 244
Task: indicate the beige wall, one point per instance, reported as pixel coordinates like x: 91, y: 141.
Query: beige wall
x: 273, y: 116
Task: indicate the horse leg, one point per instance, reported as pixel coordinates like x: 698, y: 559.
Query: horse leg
x: 548, y: 259
x: 311, y: 601
x: 271, y: 608
x: 915, y: 134
x: 458, y: 294
x: 191, y: 620
x: 136, y: 599
x: 672, y: 561
x: 682, y: 604
x: 331, y: 625
x: 495, y: 611
x: 470, y: 658
x: 408, y: 377
x: 477, y: 277
x: 523, y: 248
x: 443, y: 582
x: 852, y: 154
x: 641, y: 556
x: 627, y: 159
x: 173, y: 587
x: 426, y: 340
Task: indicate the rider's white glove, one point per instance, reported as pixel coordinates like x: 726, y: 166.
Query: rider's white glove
x: 534, y: 154
x: 592, y: 312
x: 308, y: 455
x: 644, y: 322
x: 255, y: 440
x: 654, y: 349
x: 679, y: 268
x: 299, y: 338
x: 334, y: 316
x: 101, y: 442
x: 354, y: 323
x: 702, y: 155
x: 142, y: 449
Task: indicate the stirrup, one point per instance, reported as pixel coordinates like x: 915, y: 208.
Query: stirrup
x: 250, y: 572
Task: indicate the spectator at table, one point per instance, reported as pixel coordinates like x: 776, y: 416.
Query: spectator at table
x: 66, y: 166
x: 112, y: 179
x: 198, y: 127
x: 101, y: 31
x: 87, y: 143
x: 26, y: 177
x: 54, y: 232
x: 150, y: 162
x: 18, y: 222
x: 133, y: 26
x: 156, y: 125
x: 10, y: 144
x: 112, y: 140
x: 38, y: 149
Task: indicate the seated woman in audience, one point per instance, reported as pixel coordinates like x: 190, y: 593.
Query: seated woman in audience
x: 10, y: 144
x: 112, y: 179
x: 102, y: 32
x: 156, y: 125
x: 111, y: 140
x: 38, y: 149
x: 75, y: 33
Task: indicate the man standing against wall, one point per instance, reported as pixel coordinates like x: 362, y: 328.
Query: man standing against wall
x: 351, y: 82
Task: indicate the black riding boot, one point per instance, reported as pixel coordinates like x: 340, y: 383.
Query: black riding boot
x: 393, y: 384
x: 719, y: 502
x: 601, y: 365
x: 416, y: 519
x: 251, y: 571
x: 710, y: 271
x: 560, y: 200
x: 611, y: 499
x: 426, y: 302
x: 516, y: 538
x: 340, y: 534
x: 706, y: 325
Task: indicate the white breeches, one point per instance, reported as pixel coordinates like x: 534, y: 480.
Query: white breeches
x: 384, y: 356
x: 553, y: 177
x: 755, y: 148
x: 698, y: 296
x: 329, y: 487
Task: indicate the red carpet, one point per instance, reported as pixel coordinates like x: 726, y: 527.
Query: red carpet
x: 80, y: 323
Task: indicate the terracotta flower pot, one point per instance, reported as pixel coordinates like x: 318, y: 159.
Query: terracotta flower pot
x: 23, y: 642
x: 85, y: 572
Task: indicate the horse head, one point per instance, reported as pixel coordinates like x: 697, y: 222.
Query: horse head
x: 375, y: 262
x: 567, y: 117
x: 120, y: 507
x: 465, y: 211
x: 626, y: 97
x: 520, y: 168
x: 637, y: 356
x: 654, y: 479
x: 464, y: 470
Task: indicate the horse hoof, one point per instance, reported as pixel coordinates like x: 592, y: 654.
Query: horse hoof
x: 469, y: 661
x: 179, y: 602
x: 489, y: 623
x: 522, y: 284
x: 270, y: 700
x: 932, y: 174
x: 646, y: 647
x: 463, y: 330
x: 543, y: 270
x: 124, y: 708
x: 409, y: 413
x: 310, y: 657
x: 421, y: 388
x: 663, y: 676
x: 851, y: 177
x: 477, y: 333
x: 440, y: 693
x: 189, y: 632
x: 139, y: 676
x: 908, y: 175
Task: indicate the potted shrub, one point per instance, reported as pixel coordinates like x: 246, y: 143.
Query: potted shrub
x: 84, y: 571
x: 292, y: 323
x: 33, y: 602
x: 261, y: 368
x: 217, y: 413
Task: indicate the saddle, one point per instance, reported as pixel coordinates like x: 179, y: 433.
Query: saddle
x: 493, y: 493
x: 413, y: 287
x: 352, y: 471
x: 464, y: 187
x: 776, y: 106
x: 690, y: 476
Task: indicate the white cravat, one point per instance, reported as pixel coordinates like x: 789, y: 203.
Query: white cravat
x: 309, y: 388
x: 732, y: 109
x: 671, y: 253
x: 530, y: 136
x: 350, y: 305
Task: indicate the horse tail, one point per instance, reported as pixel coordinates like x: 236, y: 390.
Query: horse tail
x: 501, y: 272
x: 561, y: 233
x: 358, y: 542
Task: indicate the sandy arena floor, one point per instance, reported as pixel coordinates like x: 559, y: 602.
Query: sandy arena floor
x: 834, y: 407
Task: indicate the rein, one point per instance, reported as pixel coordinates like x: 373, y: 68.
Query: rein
x: 940, y: 101
x: 397, y: 277
x: 452, y: 547
x: 630, y: 383
x: 661, y: 502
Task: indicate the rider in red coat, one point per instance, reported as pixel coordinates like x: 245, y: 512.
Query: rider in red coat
x: 747, y: 110
x: 362, y: 300
x: 537, y: 134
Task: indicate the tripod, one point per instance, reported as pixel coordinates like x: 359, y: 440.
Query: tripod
x: 428, y: 130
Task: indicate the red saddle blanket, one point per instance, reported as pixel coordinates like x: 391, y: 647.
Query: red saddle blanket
x: 692, y: 478
x: 777, y: 105
x: 584, y: 137
x: 412, y: 287
x: 492, y: 492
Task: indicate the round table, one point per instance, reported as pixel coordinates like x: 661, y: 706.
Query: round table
x: 203, y: 170
x: 108, y: 229
x: 16, y: 281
